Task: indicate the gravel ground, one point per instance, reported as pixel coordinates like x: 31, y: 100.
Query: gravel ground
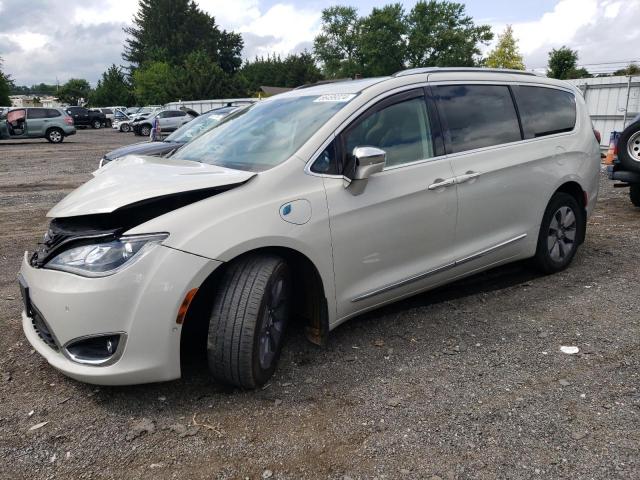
x: 467, y: 381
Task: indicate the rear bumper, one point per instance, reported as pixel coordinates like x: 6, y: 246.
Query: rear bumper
x: 623, y: 176
x: 141, y: 302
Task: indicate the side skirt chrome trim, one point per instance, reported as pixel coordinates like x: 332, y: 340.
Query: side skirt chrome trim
x: 443, y: 268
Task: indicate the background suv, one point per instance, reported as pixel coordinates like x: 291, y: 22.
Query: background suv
x: 51, y: 123
x: 168, y: 120
x: 87, y: 118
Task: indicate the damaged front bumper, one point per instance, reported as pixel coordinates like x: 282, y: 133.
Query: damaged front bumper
x: 138, y: 305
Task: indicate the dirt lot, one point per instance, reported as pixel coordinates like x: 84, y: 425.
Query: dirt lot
x: 464, y: 382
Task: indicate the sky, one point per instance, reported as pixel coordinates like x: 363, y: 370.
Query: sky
x: 48, y: 40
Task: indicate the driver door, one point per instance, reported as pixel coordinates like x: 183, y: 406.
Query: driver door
x: 395, y: 238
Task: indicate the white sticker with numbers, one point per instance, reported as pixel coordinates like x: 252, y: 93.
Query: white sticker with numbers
x: 335, y: 97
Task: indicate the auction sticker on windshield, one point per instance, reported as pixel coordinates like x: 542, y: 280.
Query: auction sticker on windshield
x: 335, y: 97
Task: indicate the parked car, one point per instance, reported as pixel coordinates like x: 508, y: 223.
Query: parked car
x: 169, y: 120
x: 83, y: 117
x: 4, y: 110
x: 108, y: 113
x: 184, y: 134
x: 626, y: 164
x: 121, y: 122
x: 50, y: 123
x: 311, y: 206
x: 144, y: 112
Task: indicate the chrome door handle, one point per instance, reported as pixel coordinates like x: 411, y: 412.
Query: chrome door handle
x: 467, y: 176
x: 440, y: 183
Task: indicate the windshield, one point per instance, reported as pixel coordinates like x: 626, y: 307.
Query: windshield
x: 203, y: 123
x: 265, y: 134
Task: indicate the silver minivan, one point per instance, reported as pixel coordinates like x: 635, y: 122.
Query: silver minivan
x: 310, y: 207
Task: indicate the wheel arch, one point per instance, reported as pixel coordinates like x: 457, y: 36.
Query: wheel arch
x: 310, y: 308
x: 574, y: 189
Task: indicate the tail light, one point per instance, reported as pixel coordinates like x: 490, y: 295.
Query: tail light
x: 68, y: 120
x: 598, y: 136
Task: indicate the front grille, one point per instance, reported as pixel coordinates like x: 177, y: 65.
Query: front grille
x: 40, y: 326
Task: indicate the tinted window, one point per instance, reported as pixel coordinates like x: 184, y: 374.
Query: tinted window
x: 52, y: 112
x: 108, y: 111
x: 178, y: 114
x: 545, y: 111
x: 477, y: 116
x: 402, y: 130
x: 37, y: 113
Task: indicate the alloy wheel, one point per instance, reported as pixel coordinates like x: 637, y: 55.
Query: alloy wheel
x: 55, y: 136
x: 561, y: 239
x: 273, y: 323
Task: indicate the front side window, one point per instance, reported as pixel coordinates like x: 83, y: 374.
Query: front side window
x: 545, y: 111
x: 402, y: 130
x: 476, y: 116
x: 265, y: 134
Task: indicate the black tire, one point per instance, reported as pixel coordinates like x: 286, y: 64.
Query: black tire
x: 54, y: 135
x: 96, y: 124
x: 125, y: 127
x: 630, y: 139
x: 552, y: 257
x: 249, y: 316
x: 145, y: 130
x: 634, y: 194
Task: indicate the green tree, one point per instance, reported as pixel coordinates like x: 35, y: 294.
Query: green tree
x: 293, y: 71
x: 154, y: 83
x: 169, y: 30
x: 5, y: 87
x: 632, y: 69
x: 441, y: 34
x: 74, y: 91
x: 200, y: 78
x: 506, y: 53
x: 382, y: 42
x: 112, y: 89
x: 337, y: 45
x: 562, y: 63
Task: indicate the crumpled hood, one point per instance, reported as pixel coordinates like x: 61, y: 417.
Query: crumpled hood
x: 136, y: 178
x: 143, y: 148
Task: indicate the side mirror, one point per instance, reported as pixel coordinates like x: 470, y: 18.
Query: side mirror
x: 368, y: 160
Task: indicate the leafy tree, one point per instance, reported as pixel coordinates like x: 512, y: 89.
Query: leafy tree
x: 506, y: 53
x: 632, y: 69
x: 441, y: 34
x: 579, y: 73
x: 337, y: 44
x: 74, y: 91
x: 112, y: 89
x: 382, y: 41
x: 293, y: 71
x: 154, y: 83
x: 169, y: 30
x: 5, y: 87
x: 562, y: 63
x: 201, y: 78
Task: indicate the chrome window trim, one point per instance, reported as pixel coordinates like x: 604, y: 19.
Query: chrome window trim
x: 436, y: 270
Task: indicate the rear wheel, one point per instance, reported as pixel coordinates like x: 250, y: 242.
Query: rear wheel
x: 560, y: 231
x: 634, y: 194
x: 250, y: 312
x: 629, y: 148
x: 54, y: 135
x: 96, y: 124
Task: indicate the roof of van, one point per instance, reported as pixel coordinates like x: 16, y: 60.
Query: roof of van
x: 462, y: 73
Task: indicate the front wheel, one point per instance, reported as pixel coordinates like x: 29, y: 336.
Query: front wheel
x: 125, y: 127
x: 145, y: 130
x: 96, y: 124
x: 562, y: 226
x: 250, y: 312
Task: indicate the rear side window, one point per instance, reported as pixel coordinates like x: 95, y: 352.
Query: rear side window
x: 37, y: 113
x: 545, y: 111
x: 476, y: 116
x: 51, y: 113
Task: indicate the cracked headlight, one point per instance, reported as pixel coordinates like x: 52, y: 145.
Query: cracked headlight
x: 102, y: 259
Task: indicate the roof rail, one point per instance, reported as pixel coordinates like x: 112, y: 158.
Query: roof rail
x: 416, y: 71
x: 322, y: 82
